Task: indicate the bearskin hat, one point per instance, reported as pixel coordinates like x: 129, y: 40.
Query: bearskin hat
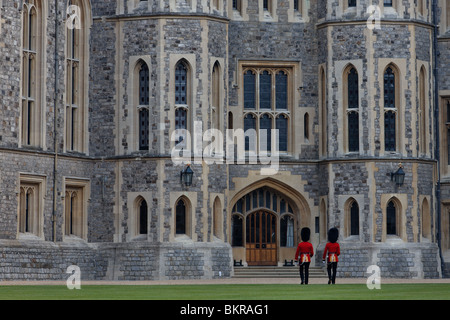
x: 305, y: 233
x: 333, y: 235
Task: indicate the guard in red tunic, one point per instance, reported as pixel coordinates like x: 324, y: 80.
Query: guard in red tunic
x: 333, y: 249
x: 303, y: 255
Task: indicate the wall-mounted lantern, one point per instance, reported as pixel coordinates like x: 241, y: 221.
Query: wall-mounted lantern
x: 186, y: 176
x: 398, y: 176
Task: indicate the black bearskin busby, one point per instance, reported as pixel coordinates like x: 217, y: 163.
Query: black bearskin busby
x: 333, y: 235
x: 305, y: 233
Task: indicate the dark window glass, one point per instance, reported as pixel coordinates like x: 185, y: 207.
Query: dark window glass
x: 180, y: 118
x: 448, y: 146
x: 248, y: 203
x: 261, y: 198
x: 180, y: 122
x: 181, y: 84
x: 353, y: 89
x: 352, y: 3
x: 391, y: 227
x: 287, y: 232
x: 249, y: 123
x: 239, y: 206
x: 354, y: 219
x: 389, y: 88
x: 306, y: 126
x: 389, y: 131
x: 180, y: 217
x: 143, y: 217
x: 265, y: 90
x: 265, y: 130
x: 237, y: 228
x: 283, y: 231
x: 281, y: 90
x: 388, y: 3
x: 254, y: 199
x: 144, y: 129
x: 27, y: 212
x: 144, y: 86
x: 282, y: 206
x: 249, y: 90
x: 282, y: 126
x: 389, y: 117
x: 353, y: 132
x: 317, y: 224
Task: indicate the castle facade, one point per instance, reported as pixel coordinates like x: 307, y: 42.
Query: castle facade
x: 175, y: 139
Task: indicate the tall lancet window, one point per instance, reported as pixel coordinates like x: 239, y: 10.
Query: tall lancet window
x: 391, y: 219
x: 181, y: 99
x: 267, y: 100
x: 76, y: 74
x: 354, y: 218
x: 144, y: 101
x: 216, y: 103
x: 390, y: 110
x: 422, y: 112
x: 32, y: 84
x: 353, y: 110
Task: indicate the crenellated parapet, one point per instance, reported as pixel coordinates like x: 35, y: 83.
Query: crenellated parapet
x: 203, y: 7
x: 344, y: 10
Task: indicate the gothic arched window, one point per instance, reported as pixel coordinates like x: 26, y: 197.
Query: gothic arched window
x: 144, y: 101
x: 180, y: 219
x: 76, y: 74
x: 33, y: 45
x: 391, y: 219
x: 390, y: 110
x: 143, y: 217
x: 354, y: 219
x: 267, y: 90
x: 353, y: 110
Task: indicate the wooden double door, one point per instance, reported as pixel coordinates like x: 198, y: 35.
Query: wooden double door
x: 261, y: 239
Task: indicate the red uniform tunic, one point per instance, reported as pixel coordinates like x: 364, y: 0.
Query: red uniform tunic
x: 305, y: 251
x: 333, y: 250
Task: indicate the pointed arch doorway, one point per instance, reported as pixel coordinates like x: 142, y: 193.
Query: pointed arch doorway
x: 265, y: 221
x: 261, y: 238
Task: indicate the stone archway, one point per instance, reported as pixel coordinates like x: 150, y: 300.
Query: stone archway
x: 270, y: 215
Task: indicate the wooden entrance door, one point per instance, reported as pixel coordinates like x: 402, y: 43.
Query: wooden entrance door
x: 261, y: 236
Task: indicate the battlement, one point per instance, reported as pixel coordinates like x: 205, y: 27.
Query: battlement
x: 344, y: 10
x: 214, y: 7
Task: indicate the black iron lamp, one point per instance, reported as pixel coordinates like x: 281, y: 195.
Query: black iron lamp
x: 186, y: 176
x: 398, y: 176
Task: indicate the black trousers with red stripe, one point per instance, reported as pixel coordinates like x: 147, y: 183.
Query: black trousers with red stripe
x: 304, y: 272
x: 331, y: 269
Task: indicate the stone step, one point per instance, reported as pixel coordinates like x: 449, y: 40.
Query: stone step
x: 276, y: 272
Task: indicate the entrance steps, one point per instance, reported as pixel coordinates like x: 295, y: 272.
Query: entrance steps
x: 277, y: 272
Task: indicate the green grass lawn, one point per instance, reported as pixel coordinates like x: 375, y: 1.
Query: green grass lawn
x: 229, y: 292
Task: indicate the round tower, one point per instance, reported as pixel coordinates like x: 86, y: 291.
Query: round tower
x: 170, y: 57
x: 377, y: 138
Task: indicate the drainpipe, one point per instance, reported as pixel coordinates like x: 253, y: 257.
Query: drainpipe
x: 55, y: 140
x: 437, y: 133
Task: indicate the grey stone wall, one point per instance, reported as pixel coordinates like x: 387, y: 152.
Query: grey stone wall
x: 416, y: 261
x: 114, y: 34
x: 31, y: 260
x: 28, y: 260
